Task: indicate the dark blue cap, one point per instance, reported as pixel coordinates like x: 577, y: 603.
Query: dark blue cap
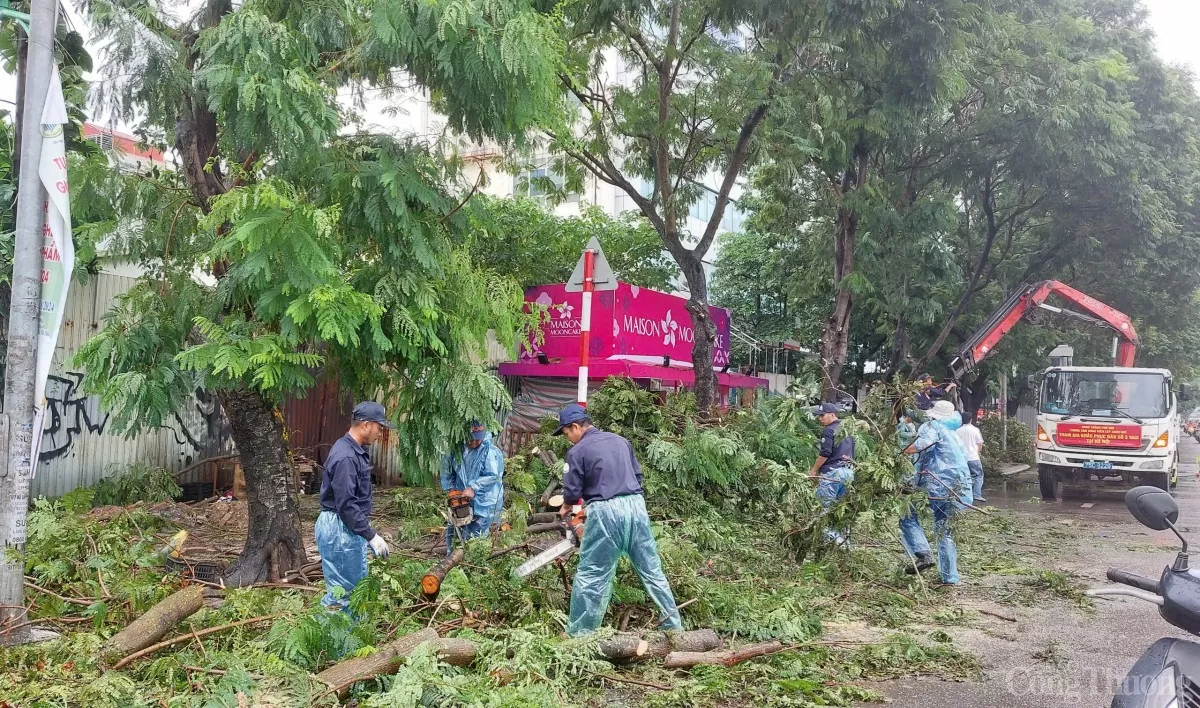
x: 372, y: 412
x: 825, y: 408
x: 479, y: 431
x: 573, y: 413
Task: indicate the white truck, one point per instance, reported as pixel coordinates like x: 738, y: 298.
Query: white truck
x: 1098, y: 425
x: 1107, y: 426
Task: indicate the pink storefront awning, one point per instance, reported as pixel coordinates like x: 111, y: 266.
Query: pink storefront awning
x: 604, y: 368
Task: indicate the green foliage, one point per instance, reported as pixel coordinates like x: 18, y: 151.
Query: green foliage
x: 1020, y: 444
x: 523, y: 239
x: 138, y: 482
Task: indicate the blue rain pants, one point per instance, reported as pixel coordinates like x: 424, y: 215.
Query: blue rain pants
x: 616, y: 527
x: 916, y: 544
x: 976, y: 468
x: 833, y: 485
x: 343, y: 559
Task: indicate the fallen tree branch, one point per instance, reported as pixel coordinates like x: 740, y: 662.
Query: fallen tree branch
x: 544, y: 517
x: 431, y: 583
x: 556, y: 526
x: 386, y: 660
x: 154, y: 623
x: 506, y: 551
x: 687, y: 659
x: 190, y: 636
x: 85, y: 601
x: 634, y: 682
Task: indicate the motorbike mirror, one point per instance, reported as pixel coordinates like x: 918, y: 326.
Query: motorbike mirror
x: 1152, y: 507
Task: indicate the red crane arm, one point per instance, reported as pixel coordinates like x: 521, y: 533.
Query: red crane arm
x: 1031, y: 297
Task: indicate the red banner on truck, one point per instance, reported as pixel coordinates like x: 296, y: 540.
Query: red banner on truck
x: 1100, y: 435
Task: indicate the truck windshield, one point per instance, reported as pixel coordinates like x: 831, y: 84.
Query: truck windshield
x: 1105, y: 394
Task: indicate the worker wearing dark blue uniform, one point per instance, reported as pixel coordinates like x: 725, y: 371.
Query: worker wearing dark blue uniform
x: 833, y: 468
x: 603, y: 474
x: 930, y: 394
x: 343, y: 530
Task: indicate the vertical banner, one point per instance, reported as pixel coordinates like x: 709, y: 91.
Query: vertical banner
x: 58, y: 251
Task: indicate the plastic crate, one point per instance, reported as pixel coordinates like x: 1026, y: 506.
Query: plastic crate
x: 200, y: 570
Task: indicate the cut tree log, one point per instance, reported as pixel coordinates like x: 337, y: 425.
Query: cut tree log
x: 555, y: 501
x: 623, y: 648
x: 545, y: 517
x: 456, y: 652
x: 547, y: 457
x: 688, y: 659
x: 658, y: 645
x: 431, y: 583
x: 556, y: 526
x: 551, y: 487
x: 386, y: 660
x: 154, y: 624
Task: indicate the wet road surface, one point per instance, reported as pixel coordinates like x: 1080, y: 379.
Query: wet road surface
x: 1092, y: 649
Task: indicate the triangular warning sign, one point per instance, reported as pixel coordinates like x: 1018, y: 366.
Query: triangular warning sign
x: 602, y: 275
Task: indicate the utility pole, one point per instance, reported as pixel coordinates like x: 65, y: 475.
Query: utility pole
x: 16, y: 424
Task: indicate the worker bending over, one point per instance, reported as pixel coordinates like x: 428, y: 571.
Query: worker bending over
x: 343, y: 530
x: 603, y: 474
x: 477, y: 470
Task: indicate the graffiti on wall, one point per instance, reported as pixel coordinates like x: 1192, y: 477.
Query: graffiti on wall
x: 72, y: 415
x: 206, y: 433
x: 69, y: 415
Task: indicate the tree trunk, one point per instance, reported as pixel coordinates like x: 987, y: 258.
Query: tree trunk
x: 704, y: 330
x: 835, y: 339
x: 973, y: 394
x: 386, y: 660
x: 273, y: 544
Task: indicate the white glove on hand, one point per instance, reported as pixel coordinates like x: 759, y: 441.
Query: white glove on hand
x: 379, y: 546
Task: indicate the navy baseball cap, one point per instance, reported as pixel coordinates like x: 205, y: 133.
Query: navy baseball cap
x: 372, y: 412
x: 573, y: 413
x: 825, y: 408
x: 479, y: 431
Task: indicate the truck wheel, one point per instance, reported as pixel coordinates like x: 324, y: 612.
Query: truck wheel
x: 1048, y: 480
x: 1162, y: 480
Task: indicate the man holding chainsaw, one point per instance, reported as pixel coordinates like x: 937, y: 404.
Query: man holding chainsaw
x: 343, y: 530
x: 604, y: 476
x: 473, y: 475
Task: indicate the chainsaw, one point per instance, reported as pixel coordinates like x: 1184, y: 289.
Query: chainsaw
x: 460, y: 508
x: 572, y: 537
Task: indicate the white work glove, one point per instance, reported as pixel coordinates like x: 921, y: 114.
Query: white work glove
x: 379, y: 546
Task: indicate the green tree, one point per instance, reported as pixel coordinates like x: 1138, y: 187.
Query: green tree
x: 520, y: 238
x: 288, y: 242
x: 702, y: 76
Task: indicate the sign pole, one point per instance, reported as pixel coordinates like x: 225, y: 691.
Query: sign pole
x: 585, y: 323
x: 16, y: 426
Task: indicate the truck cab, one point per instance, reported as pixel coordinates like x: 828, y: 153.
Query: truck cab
x: 1106, y: 426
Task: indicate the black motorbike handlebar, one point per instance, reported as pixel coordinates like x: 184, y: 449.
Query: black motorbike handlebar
x: 1138, y: 581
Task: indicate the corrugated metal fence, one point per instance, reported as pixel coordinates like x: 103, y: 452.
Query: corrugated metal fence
x: 78, y: 445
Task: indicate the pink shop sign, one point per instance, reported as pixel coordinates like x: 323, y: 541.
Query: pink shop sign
x: 629, y: 322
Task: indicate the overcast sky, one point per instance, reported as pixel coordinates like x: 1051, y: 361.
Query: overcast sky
x: 1177, y: 24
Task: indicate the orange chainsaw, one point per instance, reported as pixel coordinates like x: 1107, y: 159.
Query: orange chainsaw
x: 572, y: 527
x: 460, y: 508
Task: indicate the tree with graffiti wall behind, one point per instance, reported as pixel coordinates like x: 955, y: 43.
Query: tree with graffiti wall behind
x: 289, y: 241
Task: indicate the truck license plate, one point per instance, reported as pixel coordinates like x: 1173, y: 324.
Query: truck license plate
x: 1097, y: 465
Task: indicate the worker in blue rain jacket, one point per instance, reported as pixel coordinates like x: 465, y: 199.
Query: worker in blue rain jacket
x: 604, y: 476
x: 942, y: 472
x: 477, y: 470
x: 343, y: 529
x: 833, y: 468
x: 930, y: 393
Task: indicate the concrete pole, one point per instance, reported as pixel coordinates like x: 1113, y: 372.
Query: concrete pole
x: 1004, y: 411
x: 16, y: 425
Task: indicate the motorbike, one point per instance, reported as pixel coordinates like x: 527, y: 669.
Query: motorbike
x: 1168, y: 674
